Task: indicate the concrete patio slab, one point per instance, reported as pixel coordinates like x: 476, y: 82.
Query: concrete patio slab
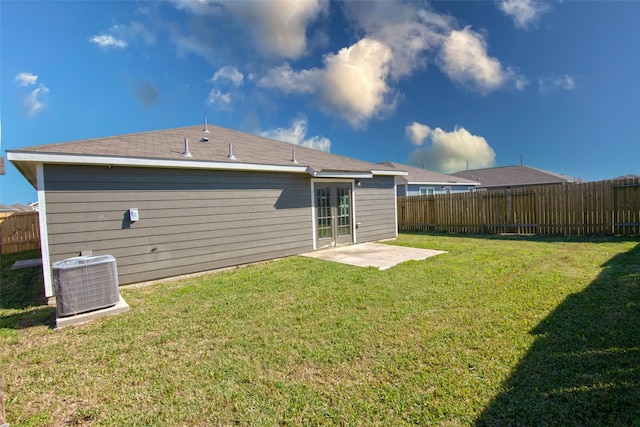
x: 120, y: 307
x: 372, y: 255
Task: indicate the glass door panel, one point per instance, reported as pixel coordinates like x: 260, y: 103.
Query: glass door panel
x: 323, y: 214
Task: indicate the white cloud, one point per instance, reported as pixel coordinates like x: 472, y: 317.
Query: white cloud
x: 221, y: 101
x: 564, y: 82
x: 352, y: 84
x: 449, y: 152
x: 465, y: 60
x: 413, y: 33
x: 286, y: 79
x: 230, y: 74
x: 278, y: 26
x: 106, y: 41
x: 229, y: 78
x: 355, y: 81
x: 409, y: 31
x: 119, y: 36
x: 33, y: 101
x: 297, y: 134
x: 523, y: 12
x: 26, y: 79
x: 416, y: 34
x: 417, y: 133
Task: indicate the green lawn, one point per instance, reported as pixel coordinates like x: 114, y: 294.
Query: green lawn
x: 497, y: 331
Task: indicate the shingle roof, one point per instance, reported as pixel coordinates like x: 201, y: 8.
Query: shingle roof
x: 509, y: 176
x: 169, y: 145
x: 17, y: 207
x: 627, y: 176
x: 424, y: 176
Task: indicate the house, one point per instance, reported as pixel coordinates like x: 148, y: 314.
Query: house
x: 6, y: 208
x: 179, y: 201
x: 504, y: 177
x: 424, y: 182
x: 627, y: 176
x: 17, y: 207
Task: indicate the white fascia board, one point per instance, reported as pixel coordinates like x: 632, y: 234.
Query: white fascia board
x: 347, y: 175
x: 144, y: 162
x: 390, y: 173
x: 445, y: 184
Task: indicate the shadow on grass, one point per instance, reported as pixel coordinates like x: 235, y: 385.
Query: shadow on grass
x: 528, y: 237
x: 584, y: 365
x: 23, y: 290
x: 36, y: 316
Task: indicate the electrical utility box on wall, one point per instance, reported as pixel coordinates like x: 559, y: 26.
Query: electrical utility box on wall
x: 133, y: 215
x: 85, y: 283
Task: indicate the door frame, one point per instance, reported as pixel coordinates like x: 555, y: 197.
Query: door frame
x: 314, y: 218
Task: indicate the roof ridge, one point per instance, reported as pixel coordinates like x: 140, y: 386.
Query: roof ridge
x: 74, y: 141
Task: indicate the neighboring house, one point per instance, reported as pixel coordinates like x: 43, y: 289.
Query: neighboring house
x: 16, y: 208
x: 427, y: 183
x: 513, y: 176
x: 628, y: 176
x: 205, y: 198
x: 5, y: 208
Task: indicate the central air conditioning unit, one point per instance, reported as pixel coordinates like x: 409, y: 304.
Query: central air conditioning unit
x: 85, y: 283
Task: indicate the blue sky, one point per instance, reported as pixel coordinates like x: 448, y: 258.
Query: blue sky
x: 435, y: 85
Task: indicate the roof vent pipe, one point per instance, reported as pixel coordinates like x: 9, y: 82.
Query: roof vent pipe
x: 186, y: 148
x: 293, y: 156
x: 205, y: 130
x: 230, y: 155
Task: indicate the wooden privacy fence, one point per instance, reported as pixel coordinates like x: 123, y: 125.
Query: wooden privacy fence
x: 19, y: 231
x: 589, y: 209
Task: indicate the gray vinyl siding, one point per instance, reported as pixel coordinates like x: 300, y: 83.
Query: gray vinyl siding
x: 190, y: 220
x: 375, y: 209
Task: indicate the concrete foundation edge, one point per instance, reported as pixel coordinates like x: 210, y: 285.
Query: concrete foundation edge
x: 120, y: 307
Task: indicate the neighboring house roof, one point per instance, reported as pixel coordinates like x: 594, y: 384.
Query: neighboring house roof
x: 15, y: 208
x: 424, y: 176
x: 5, y: 208
x: 628, y: 176
x: 510, y: 176
x: 166, y: 148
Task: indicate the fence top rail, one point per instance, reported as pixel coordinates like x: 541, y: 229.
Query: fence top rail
x: 534, y: 189
x: 19, y: 213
